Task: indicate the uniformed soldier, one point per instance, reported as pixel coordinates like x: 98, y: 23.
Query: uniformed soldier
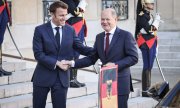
x: 4, y: 19
x: 145, y: 34
x: 76, y: 9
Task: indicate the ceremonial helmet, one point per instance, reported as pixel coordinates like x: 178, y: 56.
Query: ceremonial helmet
x: 148, y: 1
x: 143, y: 2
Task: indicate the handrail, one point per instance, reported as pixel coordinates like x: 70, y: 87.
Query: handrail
x: 33, y: 60
x: 18, y: 57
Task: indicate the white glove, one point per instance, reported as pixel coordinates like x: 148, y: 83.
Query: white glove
x: 82, y: 4
x: 157, y: 20
x: 157, y: 17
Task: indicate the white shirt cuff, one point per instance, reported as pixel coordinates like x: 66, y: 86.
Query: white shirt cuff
x: 72, y: 63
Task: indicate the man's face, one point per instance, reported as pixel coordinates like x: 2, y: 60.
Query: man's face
x: 108, y: 21
x: 59, y: 17
x: 150, y: 6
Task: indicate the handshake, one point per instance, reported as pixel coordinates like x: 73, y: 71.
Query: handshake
x: 64, y: 64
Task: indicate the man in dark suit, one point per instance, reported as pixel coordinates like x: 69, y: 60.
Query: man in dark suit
x: 113, y: 47
x: 75, y: 18
x: 52, y: 43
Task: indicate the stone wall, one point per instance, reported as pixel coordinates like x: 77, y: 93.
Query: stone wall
x: 26, y: 14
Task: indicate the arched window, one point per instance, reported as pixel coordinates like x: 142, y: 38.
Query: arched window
x: 121, y: 7
x: 46, y: 14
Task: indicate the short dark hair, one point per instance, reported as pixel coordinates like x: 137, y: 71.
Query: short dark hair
x: 57, y: 4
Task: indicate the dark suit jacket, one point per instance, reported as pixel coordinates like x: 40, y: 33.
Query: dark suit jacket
x: 122, y: 51
x: 46, y: 53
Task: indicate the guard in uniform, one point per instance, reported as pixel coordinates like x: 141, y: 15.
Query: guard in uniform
x: 4, y: 19
x: 145, y: 34
x: 75, y: 18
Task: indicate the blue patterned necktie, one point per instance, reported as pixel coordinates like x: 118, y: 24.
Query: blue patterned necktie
x: 57, y: 36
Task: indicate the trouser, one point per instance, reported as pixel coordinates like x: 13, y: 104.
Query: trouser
x: 58, y: 95
x: 73, y: 72
x: 123, y: 101
x: 148, y: 56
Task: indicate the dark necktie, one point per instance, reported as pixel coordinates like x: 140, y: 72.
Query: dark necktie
x: 57, y: 36
x: 107, y: 43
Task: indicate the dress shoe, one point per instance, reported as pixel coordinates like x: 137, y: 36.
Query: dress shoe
x: 74, y: 84
x: 4, y: 73
x: 81, y: 84
x: 145, y: 94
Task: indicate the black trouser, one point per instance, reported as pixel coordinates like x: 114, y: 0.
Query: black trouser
x: 73, y: 72
x: 123, y: 101
x: 58, y: 95
x: 146, y: 79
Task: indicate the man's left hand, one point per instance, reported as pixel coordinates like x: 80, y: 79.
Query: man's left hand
x: 110, y: 64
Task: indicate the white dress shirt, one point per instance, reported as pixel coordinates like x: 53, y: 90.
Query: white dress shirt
x: 54, y: 30
x: 110, y: 36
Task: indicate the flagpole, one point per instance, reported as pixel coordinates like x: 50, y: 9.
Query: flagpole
x: 14, y: 43
x: 99, y: 86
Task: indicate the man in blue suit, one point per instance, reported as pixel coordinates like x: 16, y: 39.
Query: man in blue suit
x: 114, y: 46
x: 54, y: 42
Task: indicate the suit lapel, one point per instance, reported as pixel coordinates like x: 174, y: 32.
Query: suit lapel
x: 51, y: 34
x: 63, y: 37
x: 101, y: 47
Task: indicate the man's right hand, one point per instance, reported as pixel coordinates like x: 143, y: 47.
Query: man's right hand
x: 63, y: 66
x: 67, y: 62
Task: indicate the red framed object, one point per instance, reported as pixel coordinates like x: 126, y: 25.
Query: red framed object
x: 108, y: 87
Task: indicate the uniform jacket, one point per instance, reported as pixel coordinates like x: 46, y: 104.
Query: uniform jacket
x: 145, y: 28
x: 122, y: 51
x: 72, y: 5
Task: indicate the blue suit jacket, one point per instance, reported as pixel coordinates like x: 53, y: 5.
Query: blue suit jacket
x: 122, y: 51
x: 46, y: 53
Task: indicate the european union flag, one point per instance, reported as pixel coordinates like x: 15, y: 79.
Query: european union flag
x: 4, y: 19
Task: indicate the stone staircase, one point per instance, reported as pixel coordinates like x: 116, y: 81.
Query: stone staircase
x: 16, y: 90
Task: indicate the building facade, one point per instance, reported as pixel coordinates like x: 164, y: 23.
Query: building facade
x: 26, y: 14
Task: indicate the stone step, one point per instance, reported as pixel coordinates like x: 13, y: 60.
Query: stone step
x: 20, y: 101
x: 138, y: 102
x: 168, y: 35
x: 142, y: 102
x: 13, y: 99
x: 86, y: 101
x: 135, y: 69
x: 26, y: 88
x: 165, y: 55
x: 169, y: 48
x: 13, y: 66
x: 90, y: 101
x: 169, y: 41
x: 17, y: 77
x: 163, y: 62
x: 80, y: 102
x: 15, y: 89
